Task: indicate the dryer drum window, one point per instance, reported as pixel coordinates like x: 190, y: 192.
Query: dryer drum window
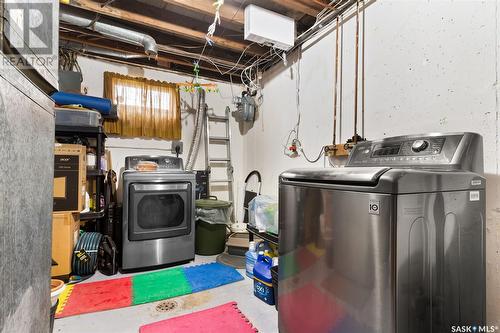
x: 160, y: 211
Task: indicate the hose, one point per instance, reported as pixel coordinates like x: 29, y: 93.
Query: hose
x: 198, y: 129
x: 89, y: 242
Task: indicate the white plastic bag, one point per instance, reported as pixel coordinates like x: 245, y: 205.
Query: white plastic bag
x: 263, y: 213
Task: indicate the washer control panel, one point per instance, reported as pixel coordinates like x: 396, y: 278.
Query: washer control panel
x: 406, y: 150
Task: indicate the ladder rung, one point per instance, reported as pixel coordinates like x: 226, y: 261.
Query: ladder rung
x: 221, y: 181
x: 218, y: 138
x: 218, y: 118
x: 219, y: 159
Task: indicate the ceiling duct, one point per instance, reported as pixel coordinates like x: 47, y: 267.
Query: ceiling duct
x: 85, y: 49
x: 111, y: 30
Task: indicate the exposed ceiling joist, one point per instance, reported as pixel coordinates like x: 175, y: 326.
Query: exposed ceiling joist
x: 162, y: 25
x: 310, y: 10
x: 228, y: 12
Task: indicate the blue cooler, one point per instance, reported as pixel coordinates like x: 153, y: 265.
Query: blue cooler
x: 262, y: 279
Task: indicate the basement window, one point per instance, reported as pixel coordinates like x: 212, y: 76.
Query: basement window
x: 146, y: 108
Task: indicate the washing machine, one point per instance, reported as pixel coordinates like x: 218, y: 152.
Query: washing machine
x: 392, y: 242
x: 158, y: 213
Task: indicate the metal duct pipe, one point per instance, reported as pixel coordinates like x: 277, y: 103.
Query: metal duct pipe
x: 102, y: 51
x: 126, y: 35
x: 198, y: 129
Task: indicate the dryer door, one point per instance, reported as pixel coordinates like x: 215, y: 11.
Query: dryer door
x: 159, y: 210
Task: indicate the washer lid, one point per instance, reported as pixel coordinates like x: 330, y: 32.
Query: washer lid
x: 367, y: 176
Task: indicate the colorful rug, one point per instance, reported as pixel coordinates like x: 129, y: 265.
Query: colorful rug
x: 223, y: 318
x: 143, y: 288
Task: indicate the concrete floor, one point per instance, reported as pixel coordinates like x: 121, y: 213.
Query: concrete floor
x: 128, y: 320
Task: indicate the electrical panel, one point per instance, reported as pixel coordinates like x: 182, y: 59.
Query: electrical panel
x: 266, y: 27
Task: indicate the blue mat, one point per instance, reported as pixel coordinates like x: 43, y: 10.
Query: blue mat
x: 210, y: 276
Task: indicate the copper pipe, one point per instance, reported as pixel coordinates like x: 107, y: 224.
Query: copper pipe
x: 356, y: 70
x: 363, y: 74
x: 341, y: 86
x: 335, y: 83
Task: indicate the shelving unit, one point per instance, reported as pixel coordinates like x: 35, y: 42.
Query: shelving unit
x: 99, y: 135
x: 267, y: 236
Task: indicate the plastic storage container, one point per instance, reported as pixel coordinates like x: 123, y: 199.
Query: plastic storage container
x: 263, y: 213
x: 262, y: 279
x: 251, y: 258
x: 75, y: 117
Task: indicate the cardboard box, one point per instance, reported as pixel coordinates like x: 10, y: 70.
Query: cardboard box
x: 65, y: 232
x: 70, y: 177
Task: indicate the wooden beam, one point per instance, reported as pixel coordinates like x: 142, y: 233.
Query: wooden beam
x: 228, y: 12
x: 297, y: 6
x: 161, y: 25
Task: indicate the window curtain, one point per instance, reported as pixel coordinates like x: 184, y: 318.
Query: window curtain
x: 146, y: 108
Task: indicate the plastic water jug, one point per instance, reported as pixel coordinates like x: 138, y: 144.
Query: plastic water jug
x: 262, y: 279
x: 251, y: 257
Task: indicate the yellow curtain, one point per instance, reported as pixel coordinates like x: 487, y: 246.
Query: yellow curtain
x: 146, y: 108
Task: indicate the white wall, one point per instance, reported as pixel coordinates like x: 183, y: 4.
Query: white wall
x: 93, y: 69
x: 431, y: 66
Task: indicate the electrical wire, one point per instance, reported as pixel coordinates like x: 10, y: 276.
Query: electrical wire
x: 218, y: 4
x: 68, y: 60
x: 295, y: 130
x: 248, y: 71
x: 297, y: 98
x: 299, y: 147
x: 211, y: 29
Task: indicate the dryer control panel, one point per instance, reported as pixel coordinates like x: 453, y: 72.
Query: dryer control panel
x: 431, y: 150
x: 164, y: 162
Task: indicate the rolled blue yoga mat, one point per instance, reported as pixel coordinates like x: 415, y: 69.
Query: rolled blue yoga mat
x: 103, y: 105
